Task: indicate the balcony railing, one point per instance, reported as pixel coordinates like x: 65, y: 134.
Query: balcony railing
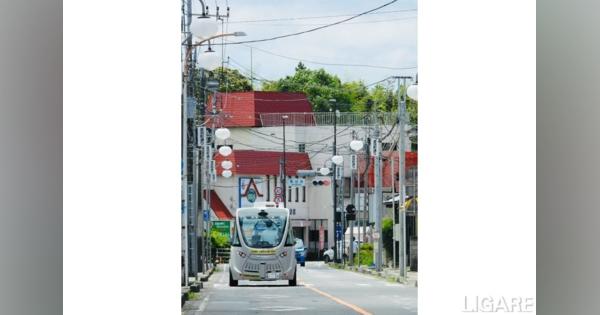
x: 327, y: 118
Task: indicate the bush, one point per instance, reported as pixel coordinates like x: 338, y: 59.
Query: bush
x: 387, y: 231
x: 366, y: 255
x: 218, y: 240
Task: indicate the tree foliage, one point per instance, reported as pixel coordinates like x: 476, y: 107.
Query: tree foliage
x: 218, y: 240
x: 231, y: 80
x: 321, y: 86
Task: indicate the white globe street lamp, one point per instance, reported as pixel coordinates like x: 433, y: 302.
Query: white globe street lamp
x: 204, y: 28
x: 356, y: 145
x: 337, y: 159
x: 226, y: 165
x: 225, y: 150
x: 324, y: 171
x: 226, y: 173
x: 209, y: 60
x: 222, y: 133
x: 412, y: 90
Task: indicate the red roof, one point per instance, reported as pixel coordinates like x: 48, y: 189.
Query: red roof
x: 250, y: 162
x: 243, y: 109
x: 218, y: 207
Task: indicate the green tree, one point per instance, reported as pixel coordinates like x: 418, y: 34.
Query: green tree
x: 318, y: 85
x: 231, y: 80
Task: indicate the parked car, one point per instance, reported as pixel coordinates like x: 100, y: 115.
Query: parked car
x: 300, y: 252
x: 328, y: 255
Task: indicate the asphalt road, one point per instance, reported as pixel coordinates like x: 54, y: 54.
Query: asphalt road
x: 320, y: 290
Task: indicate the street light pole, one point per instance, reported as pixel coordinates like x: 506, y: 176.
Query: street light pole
x: 283, y: 175
x: 335, y: 199
x: 401, y: 171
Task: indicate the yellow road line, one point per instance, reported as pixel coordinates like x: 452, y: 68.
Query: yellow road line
x: 340, y: 301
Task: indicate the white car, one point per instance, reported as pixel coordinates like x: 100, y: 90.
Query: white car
x: 328, y: 255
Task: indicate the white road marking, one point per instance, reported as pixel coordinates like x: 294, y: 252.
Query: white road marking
x: 204, y: 303
x: 279, y: 308
x: 364, y: 284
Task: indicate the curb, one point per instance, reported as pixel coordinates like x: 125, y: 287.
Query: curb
x: 210, y: 272
x: 380, y: 274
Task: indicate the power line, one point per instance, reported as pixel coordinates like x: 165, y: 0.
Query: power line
x: 331, y: 64
x: 318, y: 17
x: 247, y: 71
x: 371, y: 84
x: 352, y: 23
x: 312, y: 29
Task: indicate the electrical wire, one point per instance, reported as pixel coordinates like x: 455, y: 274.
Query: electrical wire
x: 313, y: 29
x: 351, y: 23
x: 328, y: 63
x: 319, y: 17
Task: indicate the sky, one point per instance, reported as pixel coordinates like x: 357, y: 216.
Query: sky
x: 382, y: 39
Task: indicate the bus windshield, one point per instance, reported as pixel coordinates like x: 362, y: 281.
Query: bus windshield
x: 262, y: 228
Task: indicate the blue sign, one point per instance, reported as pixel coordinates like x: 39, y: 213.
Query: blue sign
x: 338, y: 231
x: 206, y: 215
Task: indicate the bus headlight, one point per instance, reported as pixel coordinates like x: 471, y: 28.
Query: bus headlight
x: 283, y: 254
x: 242, y: 254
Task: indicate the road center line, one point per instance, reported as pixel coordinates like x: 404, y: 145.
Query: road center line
x: 340, y: 301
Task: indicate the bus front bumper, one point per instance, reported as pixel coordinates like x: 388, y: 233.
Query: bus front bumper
x: 262, y: 270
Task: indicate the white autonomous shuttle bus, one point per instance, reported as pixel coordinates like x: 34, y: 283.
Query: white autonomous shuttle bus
x: 262, y: 246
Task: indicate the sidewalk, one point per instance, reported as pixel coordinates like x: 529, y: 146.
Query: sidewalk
x: 195, y: 284
x: 388, y: 274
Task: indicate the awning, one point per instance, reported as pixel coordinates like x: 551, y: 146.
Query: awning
x: 218, y: 207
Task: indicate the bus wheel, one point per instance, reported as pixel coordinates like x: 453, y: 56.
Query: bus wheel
x: 293, y: 281
x: 232, y: 283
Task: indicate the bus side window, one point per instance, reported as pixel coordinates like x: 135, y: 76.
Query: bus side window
x: 290, y: 241
x: 236, y: 240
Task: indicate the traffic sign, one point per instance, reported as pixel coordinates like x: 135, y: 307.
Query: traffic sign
x: 338, y: 231
x: 295, y: 182
x: 278, y: 199
x: 206, y: 215
x: 278, y: 190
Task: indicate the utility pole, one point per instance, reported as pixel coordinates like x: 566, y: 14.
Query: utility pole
x: 366, y: 205
x: 402, y: 176
x: 283, y: 162
x: 393, y: 212
x: 353, y: 166
x: 377, y: 200
x: 336, y: 253
x: 187, y: 10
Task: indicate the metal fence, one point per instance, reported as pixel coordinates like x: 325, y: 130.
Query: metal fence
x: 222, y: 255
x: 327, y: 118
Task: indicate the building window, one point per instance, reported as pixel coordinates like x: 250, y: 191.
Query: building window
x: 268, y: 188
x: 346, y: 187
x: 297, y: 192
x: 289, y: 193
x: 302, y: 147
x: 304, y: 192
